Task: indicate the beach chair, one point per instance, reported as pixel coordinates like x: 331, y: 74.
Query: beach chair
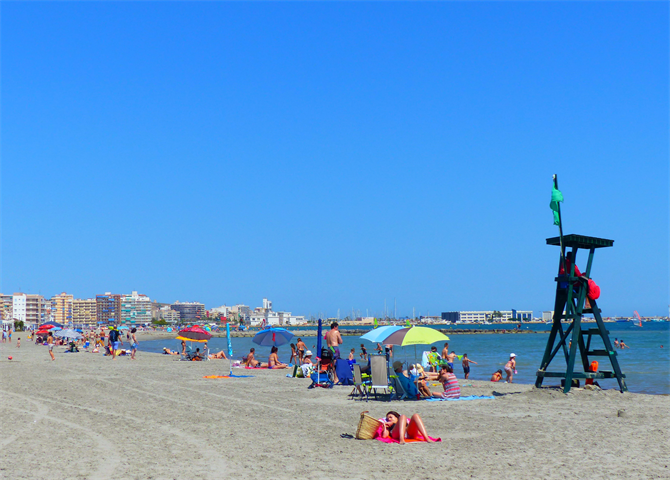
x: 343, y: 371
x: 359, y: 386
x: 321, y: 379
x: 379, y: 374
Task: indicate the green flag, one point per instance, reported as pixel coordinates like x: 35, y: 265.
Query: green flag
x: 556, y: 197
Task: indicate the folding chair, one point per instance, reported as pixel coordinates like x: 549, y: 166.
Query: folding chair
x: 343, y: 372
x: 379, y: 374
x: 359, y: 386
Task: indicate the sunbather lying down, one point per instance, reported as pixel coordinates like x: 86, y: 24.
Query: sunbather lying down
x: 167, y: 351
x: 399, y: 428
x: 219, y: 355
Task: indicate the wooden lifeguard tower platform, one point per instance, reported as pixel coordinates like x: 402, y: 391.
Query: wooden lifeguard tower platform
x: 571, y: 293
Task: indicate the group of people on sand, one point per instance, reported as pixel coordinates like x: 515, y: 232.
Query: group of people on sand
x: 197, y: 355
x: 272, y: 363
x: 96, y: 340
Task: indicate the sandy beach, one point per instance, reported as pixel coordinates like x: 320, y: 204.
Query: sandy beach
x: 85, y: 416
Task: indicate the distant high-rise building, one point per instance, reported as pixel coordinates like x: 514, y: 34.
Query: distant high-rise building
x: 27, y: 308
x: 135, y: 308
x: 6, y: 304
x: 189, y: 311
x: 108, y: 307
x: 61, y: 308
x: 84, y: 311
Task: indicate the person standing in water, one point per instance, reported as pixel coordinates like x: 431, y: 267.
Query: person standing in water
x: 466, y: 365
x: 510, y: 368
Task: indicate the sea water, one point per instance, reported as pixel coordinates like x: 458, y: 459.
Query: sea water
x: 645, y: 363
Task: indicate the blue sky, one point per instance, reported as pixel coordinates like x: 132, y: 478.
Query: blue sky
x: 334, y: 155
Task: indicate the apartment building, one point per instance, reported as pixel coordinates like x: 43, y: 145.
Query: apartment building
x: 26, y: 308
x: 6, y: 304
x: 135, y: 308
x: 61, y: 308
x: 108, y: 307
x: 189, y: 312
x: 84, y: 311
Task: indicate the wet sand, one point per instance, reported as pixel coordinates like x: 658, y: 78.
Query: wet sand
x: 85, y: 416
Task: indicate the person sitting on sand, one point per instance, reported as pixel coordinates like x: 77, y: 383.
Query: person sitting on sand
x: 449, y: 383
x: 399, y: 427
x: 250, y: 361
x: 273, y: 361
x: 218, y: 356
x: 307, y: 366
x: 497, y: 376
x: 197, y: 357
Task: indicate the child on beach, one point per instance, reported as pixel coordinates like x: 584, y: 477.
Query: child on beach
x: 294, y: 355
x: 364, y: 352
x: 352, y: 355
x: 133, y: 344
x: 497, y: 376
x: 466, y: 365
x: 510, y: 367
x: 18, y: 342
x: 50, y: 343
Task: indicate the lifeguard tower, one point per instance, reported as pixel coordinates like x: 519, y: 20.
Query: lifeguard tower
x: 571, y: 293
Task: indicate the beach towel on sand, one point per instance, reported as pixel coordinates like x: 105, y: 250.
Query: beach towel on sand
x: 471, y: 397
x: 419, y: 438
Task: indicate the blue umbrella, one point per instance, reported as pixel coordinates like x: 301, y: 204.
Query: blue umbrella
x: 381, y: 333
x: 230, y: 348
x: 272, y: 337
x: 318, y: 340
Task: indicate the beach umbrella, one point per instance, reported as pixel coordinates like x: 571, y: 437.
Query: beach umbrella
x: 230, y: 348
x: 53, y: 324
x: 380, y: 334
x: 319, y: 336
x: 415, y: 336
x: 272, y: 337
x: 68, y: 334
x: 194, y: 334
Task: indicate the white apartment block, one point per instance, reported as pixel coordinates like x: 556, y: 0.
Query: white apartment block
x: 135, y: 308
x: 487, y: 315
x: 26, y: 308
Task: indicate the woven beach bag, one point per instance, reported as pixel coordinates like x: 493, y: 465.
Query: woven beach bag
x: 367, y: 426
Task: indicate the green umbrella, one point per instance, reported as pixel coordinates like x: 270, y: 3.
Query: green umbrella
x: 415, y: 336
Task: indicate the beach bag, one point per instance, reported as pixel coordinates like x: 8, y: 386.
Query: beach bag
x: 367, y: 427
x: 593, y: 290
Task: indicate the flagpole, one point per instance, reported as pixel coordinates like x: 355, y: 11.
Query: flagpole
x: 560, y: 227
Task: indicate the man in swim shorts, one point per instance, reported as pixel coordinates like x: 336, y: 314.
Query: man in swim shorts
x: 334, y: 340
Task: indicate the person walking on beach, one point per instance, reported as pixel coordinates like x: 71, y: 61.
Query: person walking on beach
x: 18, y: 342
x: 334, y: 340
x: 115, y: 341
x: 466, y: 365
x: 510, y: 368
x: 50, y: 344
x: 133, y: 344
